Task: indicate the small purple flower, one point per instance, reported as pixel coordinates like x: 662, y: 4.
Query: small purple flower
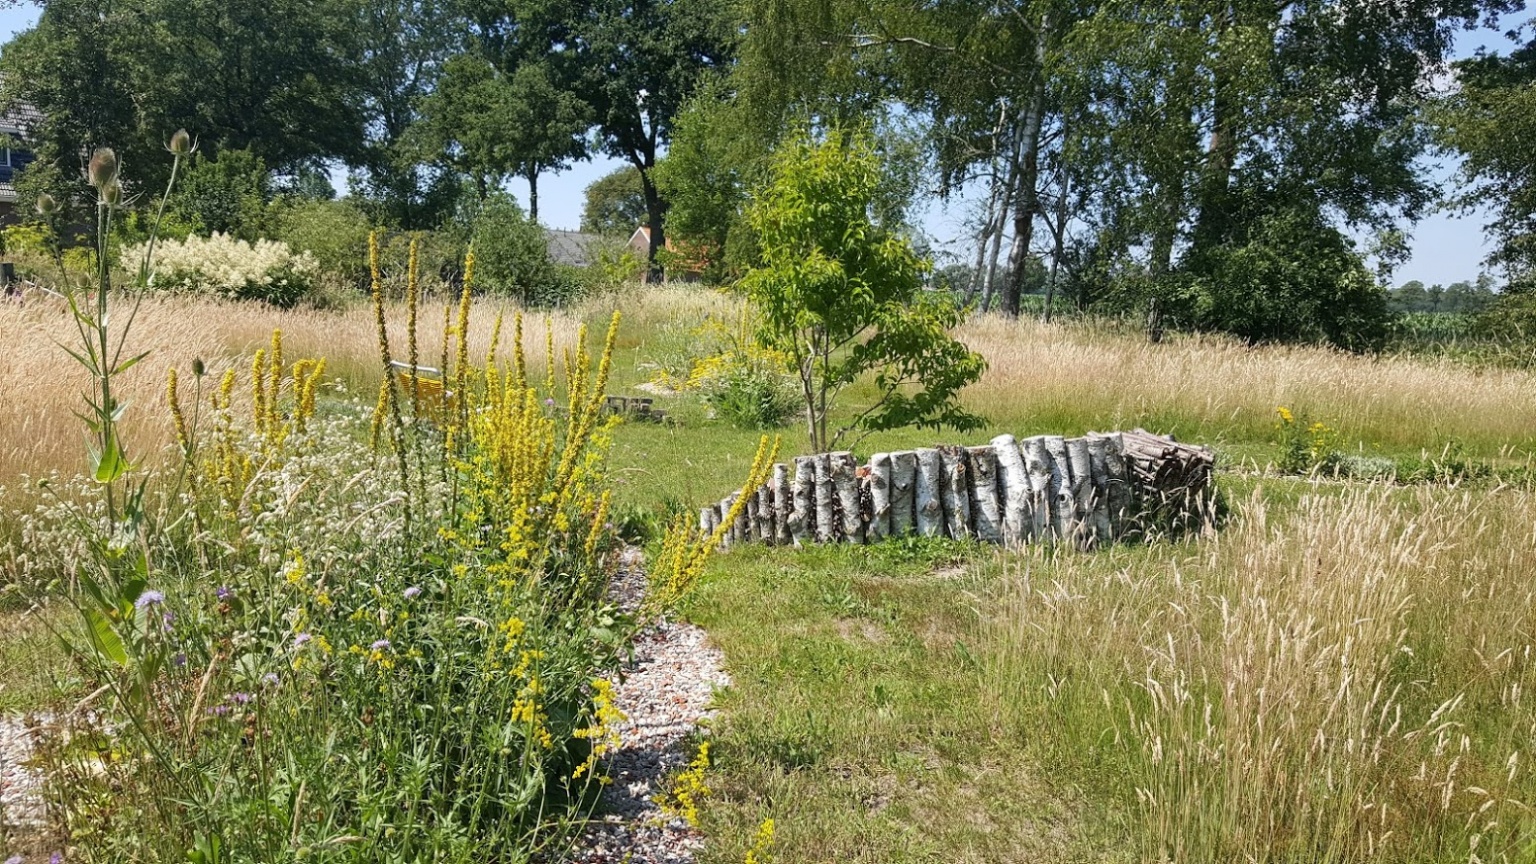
x: 14, y: 859
x: 380, y: 645
x: 299, y: 640
x: 224, y: 592
x: 241, y: 698
x: 166, y: 620
x: 549, y: 403
x: 56, y: 858
x: 179, y: 660
x: 411, y: 593
x: 218, y: 710
x: 149, y: 598
x: 270, y: 679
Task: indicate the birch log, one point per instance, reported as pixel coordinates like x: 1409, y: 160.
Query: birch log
x: 782, y: 504
x: 1059, y: 494
x: 763, y: 532
x: 903, y: 497
x: 845, y: 482
x: 930, y: 505
x: 956, y: 491
x: 1118, y: 491
x: 733, y: 533
x: 749, y: 519
x: 707, y: 520
x: 1037, y: 461
x: 1080, y: 524
x: 1012, y: 490
x: 1098, y: 457
x: 986, y: 520
x: 826, y: 528
x: 880, y: 497
x: 802, y: 524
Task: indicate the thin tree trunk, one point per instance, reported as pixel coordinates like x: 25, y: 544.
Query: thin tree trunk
x: 1058, y: 242
x: 655, y: 215
x: 1029, y: 177
x: 533, y: 194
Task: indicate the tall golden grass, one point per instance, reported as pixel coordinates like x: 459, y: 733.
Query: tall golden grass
x: 1348, y: 679
x: 1085, y: 375
x: 41, y: 387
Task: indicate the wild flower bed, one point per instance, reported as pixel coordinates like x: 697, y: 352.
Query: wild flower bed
x: 316, y: 646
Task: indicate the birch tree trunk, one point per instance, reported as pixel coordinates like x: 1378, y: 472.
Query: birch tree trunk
x: 1037, y: 461
x: 781, y: 505
x: 1012, y: 489
x: 1059, y: 494
x: 1118, y: 487
x: 826, y: 527
x: 956, y: 491
x: 986, y: 520
x: 764, y: 522
x: 1098, y: 457
x: 845, y: 482
x: 1080, y: 526
x: 802, y: 521
x: 903, y: 496
x: 930, y: 506
x: 880, y: 497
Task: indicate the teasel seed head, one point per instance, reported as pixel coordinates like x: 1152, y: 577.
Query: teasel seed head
x: 103, y: 167
x: 46, y: 205
x: 181, y: 143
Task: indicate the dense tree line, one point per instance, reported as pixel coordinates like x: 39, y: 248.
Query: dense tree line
x: 1205, y: 163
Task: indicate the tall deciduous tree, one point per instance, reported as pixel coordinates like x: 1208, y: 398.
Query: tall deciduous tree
x: 615, y: 203
x: 1490, y: 119
x: 640, y: 60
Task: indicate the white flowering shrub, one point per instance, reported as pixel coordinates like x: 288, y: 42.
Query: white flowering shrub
x: 222, y: 266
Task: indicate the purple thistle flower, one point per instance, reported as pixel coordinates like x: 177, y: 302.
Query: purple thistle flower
x: 380, y: 645
x: 149, y: 598
x: 299, y: 640
x: 411, y: 593
x: 224, y: 592
x: 270, y: 679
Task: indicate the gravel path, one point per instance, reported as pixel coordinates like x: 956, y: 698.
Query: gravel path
x: 23, y: 816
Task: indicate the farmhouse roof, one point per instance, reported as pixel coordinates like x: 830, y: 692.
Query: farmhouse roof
x: 571, y: 248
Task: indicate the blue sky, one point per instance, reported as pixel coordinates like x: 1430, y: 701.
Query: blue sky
x: 1446, y: 247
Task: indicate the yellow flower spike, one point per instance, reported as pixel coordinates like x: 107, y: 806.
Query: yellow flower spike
x: 274, y: 380
x: 549, y: 356
x: 519, y: 363
x: 376, y: 426
x: 258, y: 390
x: 442, y: 362
x: 490, y: 356
x: 226, y: 390
x: 461, y: 360
x: 179, y: 420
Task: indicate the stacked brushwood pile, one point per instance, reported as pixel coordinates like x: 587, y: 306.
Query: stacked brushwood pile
x: 1088, y: 491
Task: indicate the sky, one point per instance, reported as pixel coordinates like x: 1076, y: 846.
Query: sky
x: 1446, y: 247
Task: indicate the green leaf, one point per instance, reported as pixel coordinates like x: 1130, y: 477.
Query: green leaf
x: 109, y: 465
x: 104, y: 639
